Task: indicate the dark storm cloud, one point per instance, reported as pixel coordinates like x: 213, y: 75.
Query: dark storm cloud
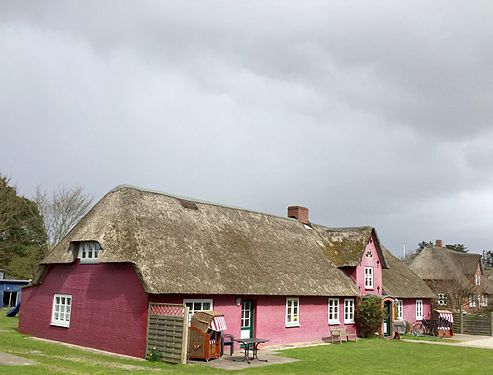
x: 369, y: 113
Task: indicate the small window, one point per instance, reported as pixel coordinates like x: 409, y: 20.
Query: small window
x: 368, y: 277
x: 89, y: 252
x: 399, y: 311
x: 477, y: 279
x: 419, y: 309
x: 442, y: 299
x: 484, y: 300
x: 348, y: 311
x: 334, y: 311
x: 292, y: 312
x: 472, y: 300
x: 62, y: 306
x: 195, y: 305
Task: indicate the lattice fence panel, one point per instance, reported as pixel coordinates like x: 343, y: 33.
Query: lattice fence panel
x: 167, y: 331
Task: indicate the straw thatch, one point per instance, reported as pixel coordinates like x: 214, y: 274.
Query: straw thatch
x: 186, y: 246
x: 440, y: 263
x: 345, y: 246
x: 399, y: 281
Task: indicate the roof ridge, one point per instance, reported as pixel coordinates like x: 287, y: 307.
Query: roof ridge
x: 195, y: 200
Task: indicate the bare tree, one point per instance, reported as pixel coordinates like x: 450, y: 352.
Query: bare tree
x: 62, y: 210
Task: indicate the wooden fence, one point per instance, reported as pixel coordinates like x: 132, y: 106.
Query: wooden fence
x: 472, y: 324
x: 167, y: 332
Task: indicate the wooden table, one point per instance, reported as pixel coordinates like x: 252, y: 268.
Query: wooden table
x: 252, y: 344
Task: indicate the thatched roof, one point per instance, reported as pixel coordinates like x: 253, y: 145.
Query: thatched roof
x: 399, y: 281
x: 345, y: 246
x: 187, y: 246
x: 440, y: 263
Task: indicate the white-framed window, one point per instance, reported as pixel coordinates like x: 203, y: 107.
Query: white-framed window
x: 368, y: 277
x: 484, y: 300
x: 477, y: 279
x: 419, y: 309
x: 472, y: 300
x: 62, y: 306
x: 442, y: 299
x: 195, y: 305
x: 399, y: 310
x: 292, y: 312
x: 89, y: 251
x: 334, y: 311
x: 348, y: 310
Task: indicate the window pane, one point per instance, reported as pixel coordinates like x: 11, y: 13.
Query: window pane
x: 206, y: 306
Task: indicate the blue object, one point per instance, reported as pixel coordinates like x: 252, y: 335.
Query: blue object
x: 14, y: 310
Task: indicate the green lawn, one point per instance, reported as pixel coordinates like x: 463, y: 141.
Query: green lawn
x: 372, y: 356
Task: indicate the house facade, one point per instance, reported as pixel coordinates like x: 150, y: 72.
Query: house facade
x: 273, y: 277
x: 456, y: 278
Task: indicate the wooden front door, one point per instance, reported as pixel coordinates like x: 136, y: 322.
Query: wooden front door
x: 247, y: 319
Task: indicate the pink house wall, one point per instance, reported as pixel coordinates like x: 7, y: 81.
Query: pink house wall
x: 359, y: 274
x: 270, y: 316
x: 409, y: 309
x: 109, y: 307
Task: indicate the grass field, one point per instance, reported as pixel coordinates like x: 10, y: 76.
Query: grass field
x: 371, y: 356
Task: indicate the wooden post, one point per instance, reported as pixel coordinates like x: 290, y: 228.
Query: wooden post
x: 491, y: 323
x: 184, y: 342
x: 461, y: 320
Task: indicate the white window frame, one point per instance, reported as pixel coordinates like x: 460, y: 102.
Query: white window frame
x: 62, y: 309
x: 472, y: 300
x: 368, y: 278
x: 89, y: 251
x: 419, y: 309
x: 400, y: 309
x: 193, y: 301
x: 333, y: 309
x: 477, y: 279
x: 442, y: 299
x: 292, y: 319
x: 483, y: 300
x: 348, y: 310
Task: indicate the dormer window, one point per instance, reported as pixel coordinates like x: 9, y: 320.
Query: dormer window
x: 89, y: 251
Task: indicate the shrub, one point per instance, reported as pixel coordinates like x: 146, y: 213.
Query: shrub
x: 369, y: 316
x: 154, y: 355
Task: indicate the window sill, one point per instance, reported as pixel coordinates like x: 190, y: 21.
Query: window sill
x: 349, y: 322
x: 89, y: 261
x: 334, y: 322
x: 291, y: 325
x: 369, y: 288
x: 60, y: 324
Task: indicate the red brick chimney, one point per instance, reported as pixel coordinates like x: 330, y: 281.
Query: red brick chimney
x: 439, y: 243
x: 298, y: 212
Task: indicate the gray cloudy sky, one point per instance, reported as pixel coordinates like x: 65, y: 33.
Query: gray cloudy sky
x: 369, y: 113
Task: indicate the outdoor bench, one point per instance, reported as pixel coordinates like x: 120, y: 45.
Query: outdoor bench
x: 339, y: 334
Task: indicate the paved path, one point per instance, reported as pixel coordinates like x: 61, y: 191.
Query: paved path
x: 12, y: 360
x: 228, y: 363
x: 470, y: 341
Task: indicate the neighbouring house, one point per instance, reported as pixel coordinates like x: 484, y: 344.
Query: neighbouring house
x: 270, y: 276
x: 10, y: 290
x: 374, y: 270
x: 456, y: 278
